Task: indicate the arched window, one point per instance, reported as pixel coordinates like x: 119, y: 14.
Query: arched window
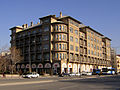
x: 60, y: 56
x: 59, y: 46
x: 57, y: 27
x: 57, y: 55
x: 57, y: 37
x: 60, y: 37
x: 60, y: 28
x: 63, y: 27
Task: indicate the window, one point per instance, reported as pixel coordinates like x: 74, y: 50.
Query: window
x: 46, y: 28
x: 46, y: 56
x: 76, y: 32
x: 57, y: 37
x: 97, y: 47
x: 71, y: 47
x: 63, y: 37
x: 94, y: 39
x: 63, y: 46
x: 92, y: 52
x: 60, y: 37
x: 88, y: 44
x: 71, y: 38
x: 76, y: 48
x: 76, y: 40
x: 98, y: 53
x: 39, y: 56
x: 71, y: 29
x: 88, y: 51
x: 57, y: 27
x: 46, y: 47
x: 63, y: 56
x: 95, y: 53
x: 60, y: 28
x: 60, y: 56
x: 63, y: 27
x: 94, y: 46
x: 57, y: 55
x: 89, y: 37
x: 71, y: 56
x: 45, y: 37
x: 39, y: 48
x: 59, y: 46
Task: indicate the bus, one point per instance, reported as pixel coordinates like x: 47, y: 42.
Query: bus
x: 108, y: 71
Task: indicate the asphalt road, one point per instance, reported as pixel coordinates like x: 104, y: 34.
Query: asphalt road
x: 62, y: 83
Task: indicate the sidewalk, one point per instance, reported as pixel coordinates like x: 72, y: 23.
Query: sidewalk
x: 82, y: 77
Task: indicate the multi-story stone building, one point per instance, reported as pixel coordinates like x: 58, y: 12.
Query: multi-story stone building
x: 118, y: 63
x: 60, y: 44
x: 113, y: 59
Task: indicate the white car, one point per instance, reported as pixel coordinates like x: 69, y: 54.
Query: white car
x: 72, y: 74
x: 30, y: 75
x: 77, y: 74
x: 86, y: 73
x: 89, y: 73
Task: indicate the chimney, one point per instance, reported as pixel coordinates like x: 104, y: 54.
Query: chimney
x: 26, y: 25
x: 31, y: 23
x: 23, y: 26
x: 38, y: 22
x: 60, y: 14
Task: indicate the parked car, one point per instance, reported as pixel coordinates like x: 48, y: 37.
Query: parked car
x: 30, y: 75
x: 83, y: 73
x: 89, y: 73
x: 77, y: 74
x: 86, y: 73
x: 72, y: 74
x: 64, y: 74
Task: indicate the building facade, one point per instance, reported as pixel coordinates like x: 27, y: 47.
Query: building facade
x: 118, y: 63
x: 60, y: 44
x: 113, y: 59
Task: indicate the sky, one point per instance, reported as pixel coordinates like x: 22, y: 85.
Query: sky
x: 101, y: 15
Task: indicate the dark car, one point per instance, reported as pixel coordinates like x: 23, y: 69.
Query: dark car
x: 64, y: 74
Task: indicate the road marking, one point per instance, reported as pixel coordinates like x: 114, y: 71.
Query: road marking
x: 23, y: 83
x: 68, y: 87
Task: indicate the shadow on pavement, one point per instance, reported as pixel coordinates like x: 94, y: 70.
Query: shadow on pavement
x: 99, y: 83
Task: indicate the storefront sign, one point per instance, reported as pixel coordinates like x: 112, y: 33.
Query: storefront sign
x: 33, y: 66
x: 22, y: 66
x: 64, y: 65
x: 18, y: 66
x: 40, y: 65
x: 47, y: 65
x: 69, y: 65
x: 56, y: 65
x: 27, y: 66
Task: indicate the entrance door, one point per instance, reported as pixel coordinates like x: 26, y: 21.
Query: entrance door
x: 70, y: 70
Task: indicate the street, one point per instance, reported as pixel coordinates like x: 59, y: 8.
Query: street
x: 62, y: 83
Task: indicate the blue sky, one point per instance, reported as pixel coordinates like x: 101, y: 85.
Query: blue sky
x: 101, y: 15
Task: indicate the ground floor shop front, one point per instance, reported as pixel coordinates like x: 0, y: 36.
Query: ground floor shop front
x: 57, y: 67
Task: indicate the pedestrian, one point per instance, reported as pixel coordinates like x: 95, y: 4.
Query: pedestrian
x: 4, y: 74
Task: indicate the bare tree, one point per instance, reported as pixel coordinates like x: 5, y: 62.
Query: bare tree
x: 4, y: 58
x: 16, y: 57
x: 5, y: 63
